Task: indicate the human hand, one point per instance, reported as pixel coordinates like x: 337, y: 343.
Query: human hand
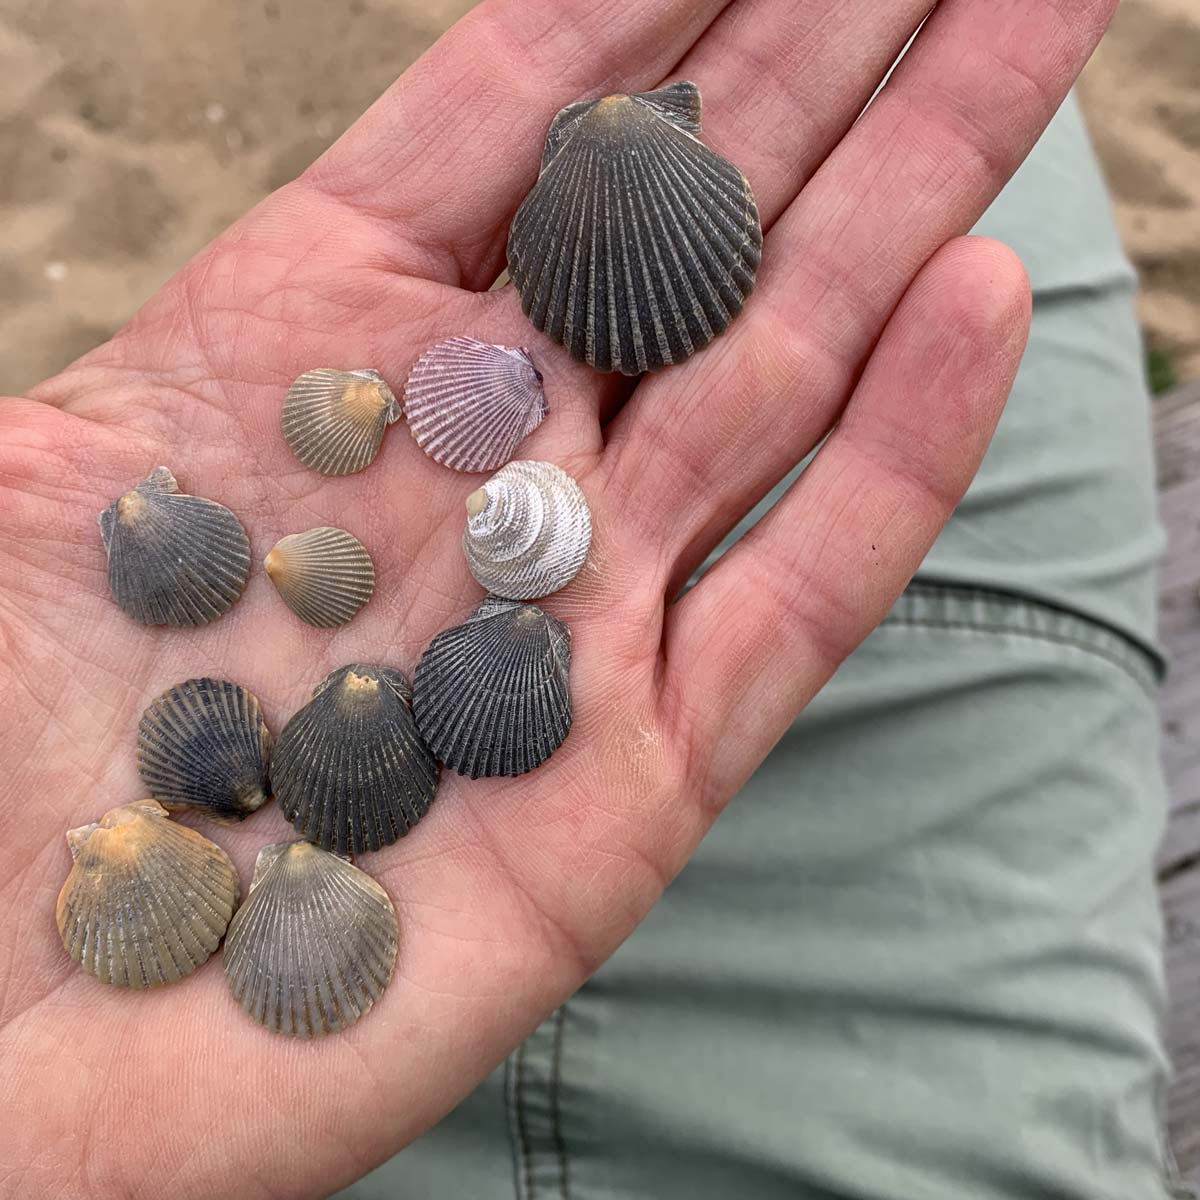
x: 871, y: 316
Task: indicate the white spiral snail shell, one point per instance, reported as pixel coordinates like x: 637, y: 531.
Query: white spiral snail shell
x: 528, y: 531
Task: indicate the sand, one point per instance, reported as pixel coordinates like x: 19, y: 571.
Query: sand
x: 132, y: 131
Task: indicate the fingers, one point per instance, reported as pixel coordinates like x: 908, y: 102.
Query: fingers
x: 766, y: 627
x: 956, y: 118
x: 782, y: 82
x: 446, y: 154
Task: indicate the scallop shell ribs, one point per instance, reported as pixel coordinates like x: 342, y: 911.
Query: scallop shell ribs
x: 491, y: 695
x: 314, y: 945
x: 204, y: 744
x: 638, y: 244
x: 147, y: 901
x: 173, y: 559
x: 350, y: 770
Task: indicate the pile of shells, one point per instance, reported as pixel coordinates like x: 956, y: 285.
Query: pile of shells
x: 313, y: 945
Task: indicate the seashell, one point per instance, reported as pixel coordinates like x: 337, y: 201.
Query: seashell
x: 491, y: 695
x: 147, y: 900
x: 350, y: 770
x: 469, y: 404
x: 334, y: 420
x: 204, y: 744
x: 173, y: 559
x: 324, y: 575
x: 528, y: 531
x: 314, y: 945
x: 637, y: 244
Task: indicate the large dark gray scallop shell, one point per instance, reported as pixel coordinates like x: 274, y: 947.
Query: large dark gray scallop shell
x: 334, y: 420
x: 173, y: 559
x: 349, y: 769
x: 324, y: 575
x: 638, y: 244
x: 204, y: 744
x: 528, y: 531
x: 469, y: 404
x: 491, y: 695
x: 147, y: 901
x: 314, y: 945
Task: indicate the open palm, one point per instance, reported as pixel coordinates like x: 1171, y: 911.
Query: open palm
x: 871, y: 316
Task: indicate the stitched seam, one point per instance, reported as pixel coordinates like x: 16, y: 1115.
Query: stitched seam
x: 1021, y: 606
x: 560, y: 1145
x: 1036, y: 635
x: 526, y: 1189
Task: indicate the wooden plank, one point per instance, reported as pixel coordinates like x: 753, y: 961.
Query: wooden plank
x: 1177, y: 449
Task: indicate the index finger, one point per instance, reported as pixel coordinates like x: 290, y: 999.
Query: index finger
x: 447, y: 152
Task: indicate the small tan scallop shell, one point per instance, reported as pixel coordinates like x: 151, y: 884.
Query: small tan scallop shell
x: 147, y: 900
x: 637, y: 244
x: 491, y: 695
x: 314, y: 945
x: 469, y: 404
x: 528, y: 531
x: 334, y: 420
x: 204, y: 744
x: 324, y: 575
x: 350, y: 770
x: 173, y: 559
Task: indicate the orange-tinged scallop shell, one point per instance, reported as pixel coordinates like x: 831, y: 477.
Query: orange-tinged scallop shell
x: 147, y: 901
x: 324, y: 575
x: 334, y: 420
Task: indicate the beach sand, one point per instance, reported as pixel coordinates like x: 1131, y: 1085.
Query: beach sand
x: 132, y: 131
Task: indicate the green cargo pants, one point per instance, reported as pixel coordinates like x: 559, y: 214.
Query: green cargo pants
x: 919, y: 956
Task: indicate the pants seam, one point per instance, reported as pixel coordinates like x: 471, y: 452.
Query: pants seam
x: 1057, y: 626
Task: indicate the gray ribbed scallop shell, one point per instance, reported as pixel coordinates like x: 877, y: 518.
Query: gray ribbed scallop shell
x: 314, y: 945
x: 491, y: 696
x: 324, y: 575
x: 204, y: 744
x: 173, y: 559
x: 638, y: 244
x: 349, y: 769
x: 334, y: 420
x: 469, y: 404
x: 147, y: 900
x: 528, y: 531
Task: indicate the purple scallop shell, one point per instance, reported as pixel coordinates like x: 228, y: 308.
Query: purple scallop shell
x: 470, y: 404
